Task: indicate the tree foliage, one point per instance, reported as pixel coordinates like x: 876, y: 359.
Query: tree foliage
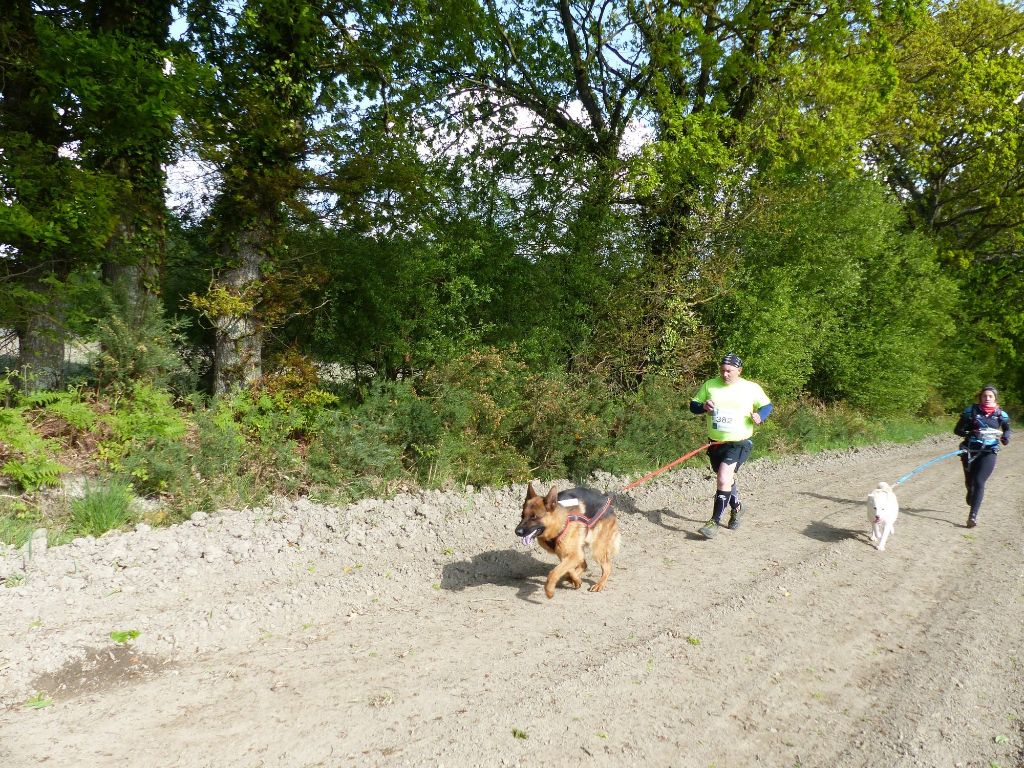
x: 951, y: 146
x: 857, y: 310
x: 611, y: 193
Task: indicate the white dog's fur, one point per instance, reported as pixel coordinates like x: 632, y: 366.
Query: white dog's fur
x: 883, y: 508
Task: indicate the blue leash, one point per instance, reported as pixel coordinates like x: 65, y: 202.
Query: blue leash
x: 913, y: 472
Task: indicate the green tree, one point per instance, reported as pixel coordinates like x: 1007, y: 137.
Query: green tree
x: 831, y: 297
x: 55, y: 214
x: 738, y: 90
x: 270, y: 65
x: 558, y: 96
x: 534, y: 104
x: 950, y: 146
x: 126, y: 130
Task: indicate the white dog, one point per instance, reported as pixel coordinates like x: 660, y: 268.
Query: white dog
x: 883, y: 508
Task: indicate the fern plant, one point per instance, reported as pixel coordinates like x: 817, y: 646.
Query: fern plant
x: 76, y: 413
x: 30, y: 457
x: 67, y: 405
x: 137, y: 344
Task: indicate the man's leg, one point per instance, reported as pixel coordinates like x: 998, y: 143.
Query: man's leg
x: 724, y: 479
x: 735, y: 505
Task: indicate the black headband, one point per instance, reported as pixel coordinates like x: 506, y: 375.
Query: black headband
x: 732, y: 360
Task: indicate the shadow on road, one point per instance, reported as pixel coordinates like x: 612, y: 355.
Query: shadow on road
x: 836, y: 499
x: 523, y: 570
x: 663, y: 518
x: 904, y: 510
x: 819, y: 530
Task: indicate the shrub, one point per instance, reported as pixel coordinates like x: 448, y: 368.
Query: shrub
x: 653, y: 426
x: 103, y: 508
x: 147, y: 448
x: 137, y: 344
x: 809, y: 426
x: 354, y: 453
x: 29, y: 459
x: 272, y: 425
x: 563, y: 429
x: 477, y: 398
x: 222, y: 450
x: 159, y: 466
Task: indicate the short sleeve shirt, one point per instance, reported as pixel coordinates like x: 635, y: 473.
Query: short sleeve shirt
x: 730, y: 420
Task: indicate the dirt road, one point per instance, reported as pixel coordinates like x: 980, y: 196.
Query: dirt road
x: 415, y: 632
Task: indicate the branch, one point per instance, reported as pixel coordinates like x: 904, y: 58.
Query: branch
x: 583, y: 88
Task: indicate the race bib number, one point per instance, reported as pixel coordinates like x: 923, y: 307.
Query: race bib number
x: 725, y: 420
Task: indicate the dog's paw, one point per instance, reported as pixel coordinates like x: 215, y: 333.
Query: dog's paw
x: 550, y: 593
x: 596, y: 588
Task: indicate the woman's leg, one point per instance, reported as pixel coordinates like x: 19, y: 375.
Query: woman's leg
x: 965, y: 460
x: 980, y: 471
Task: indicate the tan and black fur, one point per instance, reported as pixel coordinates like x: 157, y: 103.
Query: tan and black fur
x: 565, y: 530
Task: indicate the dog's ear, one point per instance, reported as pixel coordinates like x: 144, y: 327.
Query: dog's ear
x: 552, y: 498
x: 530, y: 493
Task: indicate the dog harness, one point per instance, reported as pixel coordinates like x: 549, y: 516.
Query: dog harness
x: 588, y: 521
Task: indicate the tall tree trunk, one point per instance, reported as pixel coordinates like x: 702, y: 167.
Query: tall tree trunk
x: 41, y: 335
x: 135, y: 251
x: 32, y: 134
x: 238, y: 346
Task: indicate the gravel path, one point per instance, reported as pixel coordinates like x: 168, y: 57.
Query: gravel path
x: 415, y: 632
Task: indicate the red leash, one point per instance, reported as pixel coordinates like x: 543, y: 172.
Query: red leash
x: 681, y: 459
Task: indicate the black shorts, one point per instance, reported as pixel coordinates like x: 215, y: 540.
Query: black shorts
x: 729, y: 453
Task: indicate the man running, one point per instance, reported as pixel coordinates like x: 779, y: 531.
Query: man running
x: 733, y: 405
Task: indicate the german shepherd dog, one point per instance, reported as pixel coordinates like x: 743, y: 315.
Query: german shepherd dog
x: 563, y: 523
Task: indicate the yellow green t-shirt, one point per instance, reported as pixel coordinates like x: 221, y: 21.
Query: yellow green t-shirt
x: 730, y: 420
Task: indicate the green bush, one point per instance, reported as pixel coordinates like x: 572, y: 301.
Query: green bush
x: 653, y: 427
x: 354, y: 453
x: 158, y: 466
x: 30, y: 458
x: 272, y: 426
x: 562, y: 428
x: 147, y: 448
x: 103, y: 508
x: 137, y: 344
x: 810, y: 426
x: 858, y: 311
x: 478, y: 399
x: 222, y: 449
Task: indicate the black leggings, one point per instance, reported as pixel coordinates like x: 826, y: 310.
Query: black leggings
x: 977, y: 469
